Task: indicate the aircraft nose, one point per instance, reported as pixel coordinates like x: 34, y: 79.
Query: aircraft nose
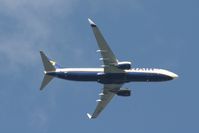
x: 173, y: 75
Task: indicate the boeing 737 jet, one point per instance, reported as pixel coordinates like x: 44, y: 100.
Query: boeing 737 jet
x: 112, y: 75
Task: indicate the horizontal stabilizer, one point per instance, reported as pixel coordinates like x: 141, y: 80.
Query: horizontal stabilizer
x: 48, y: 66
x: 45, y: 81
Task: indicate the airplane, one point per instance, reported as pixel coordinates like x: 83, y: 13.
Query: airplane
x: 112, y: 75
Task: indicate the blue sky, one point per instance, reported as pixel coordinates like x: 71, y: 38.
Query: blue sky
x: 155, y: 33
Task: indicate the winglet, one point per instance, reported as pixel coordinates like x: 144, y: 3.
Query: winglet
x: 89, y: 116
x: 91, y: 22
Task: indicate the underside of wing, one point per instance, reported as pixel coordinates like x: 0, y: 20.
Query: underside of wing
x: 105, y: 97
x: 109, y: 59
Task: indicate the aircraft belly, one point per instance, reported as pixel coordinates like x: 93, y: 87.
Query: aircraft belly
x: 104, y: 78
x: 81, y: 76
x: 111, y: 78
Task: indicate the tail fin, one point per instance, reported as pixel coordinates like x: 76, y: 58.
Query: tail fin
x: 49, y: 65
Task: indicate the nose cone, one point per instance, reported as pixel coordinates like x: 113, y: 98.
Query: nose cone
x: 173, y: 75
x: 170, y: 75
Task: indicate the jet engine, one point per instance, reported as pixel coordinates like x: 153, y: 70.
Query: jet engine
x: 125, y: 65
x: 124, y: 92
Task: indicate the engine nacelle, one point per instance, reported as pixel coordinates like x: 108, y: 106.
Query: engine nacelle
x: 124, y: 65
x: 124, y: 92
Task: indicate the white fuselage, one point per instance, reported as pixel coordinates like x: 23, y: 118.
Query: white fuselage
x: 97, y: 74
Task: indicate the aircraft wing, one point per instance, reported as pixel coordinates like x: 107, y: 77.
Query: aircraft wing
x: 108, y: 56
x: 106, y: 96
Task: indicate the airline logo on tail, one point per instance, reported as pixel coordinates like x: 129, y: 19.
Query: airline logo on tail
x: 53, y: 62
